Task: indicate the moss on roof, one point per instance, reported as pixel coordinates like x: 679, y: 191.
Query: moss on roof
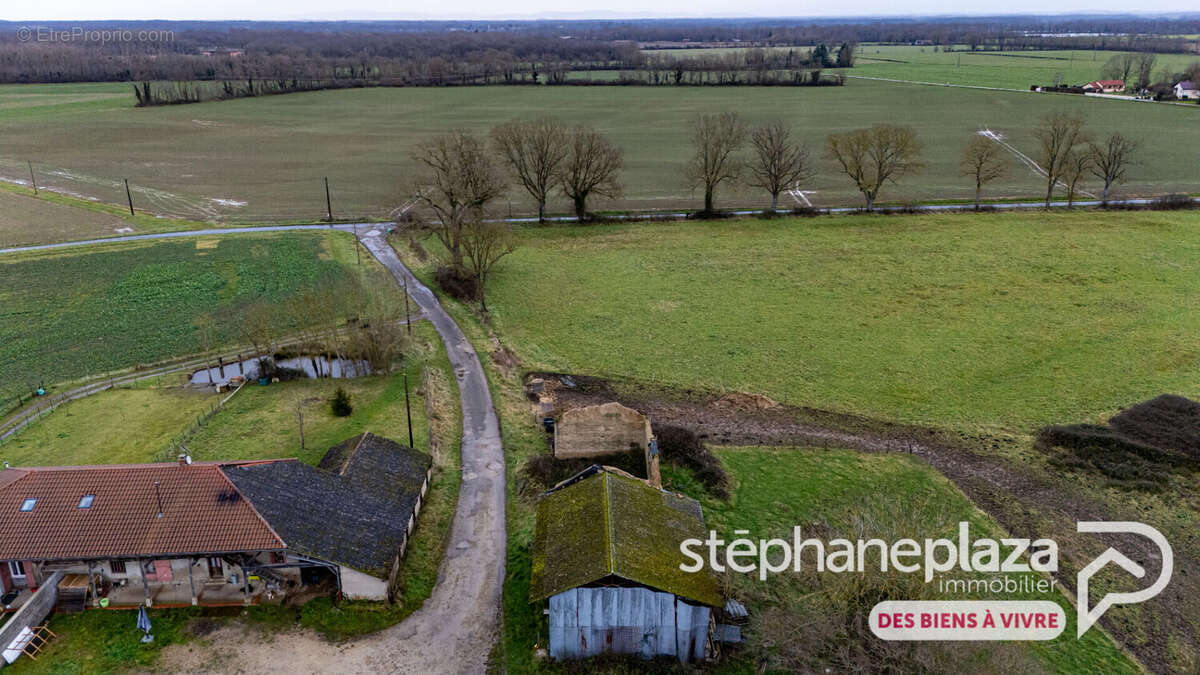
x: 614, y: 525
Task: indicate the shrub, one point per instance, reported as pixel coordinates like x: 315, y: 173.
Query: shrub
x: 1175, y: 202
x: 341, y: 403
x: 679, y: 446
x: 458, y: 284
x: 544, y: 471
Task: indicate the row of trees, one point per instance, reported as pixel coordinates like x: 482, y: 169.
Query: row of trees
x: 461, y: 173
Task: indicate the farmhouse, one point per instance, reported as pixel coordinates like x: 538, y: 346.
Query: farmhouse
x: 1186, y: 90
x: 214, y: 532
x: 606, y: 557
x: 1105, y: 86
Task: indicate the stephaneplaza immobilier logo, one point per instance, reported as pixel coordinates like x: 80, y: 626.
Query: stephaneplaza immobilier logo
x: 947, y: 619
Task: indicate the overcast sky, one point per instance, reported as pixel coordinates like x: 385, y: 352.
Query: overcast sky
x: 473, y: 9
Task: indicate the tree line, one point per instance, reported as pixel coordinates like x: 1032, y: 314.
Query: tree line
x: 411, y: 53
x: 461, y: 173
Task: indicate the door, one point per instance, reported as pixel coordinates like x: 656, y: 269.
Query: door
x: 15, y: 570
x: 216, y: 570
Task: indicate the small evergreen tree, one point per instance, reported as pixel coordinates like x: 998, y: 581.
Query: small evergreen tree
x: 341, y: 403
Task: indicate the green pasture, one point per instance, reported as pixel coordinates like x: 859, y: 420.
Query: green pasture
x: 1010, y: 69
x: 830, y: 493
x: 76, y: 312
x: 1010, y: 320
x: 266, y: 158
x: 960, y: 65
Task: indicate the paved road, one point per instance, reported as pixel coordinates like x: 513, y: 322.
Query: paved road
x: 353, y: 227
x: 454, y: 630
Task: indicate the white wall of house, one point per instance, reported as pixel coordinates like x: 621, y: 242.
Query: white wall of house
x: 359, y: 586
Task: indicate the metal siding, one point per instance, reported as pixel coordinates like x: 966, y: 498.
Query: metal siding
x: 586, y: 622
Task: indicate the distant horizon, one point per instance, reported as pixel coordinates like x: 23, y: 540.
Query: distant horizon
x: 919, y: 9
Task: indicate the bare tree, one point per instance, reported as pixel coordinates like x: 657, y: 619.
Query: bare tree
x: 871, y: 157
x: 1145, y: 64
x: 458, y: 179
x: 484, y: 243
x: 983, y: 161
x: 779, y: 163
x: 715, y: 138
x: 1120, y: 67
x: 534, y: 150
x: 1111, y: 159
x: 590, y: 168
x: 1078, y: 163
x: 1058, y: 136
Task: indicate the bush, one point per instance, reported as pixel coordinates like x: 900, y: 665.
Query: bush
x: 1175, y: 202
x: 458, y: 284
x: 341, y: 403
x: 544, y: 471
x: 679, y: 446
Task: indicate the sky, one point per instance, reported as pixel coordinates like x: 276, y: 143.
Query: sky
x: 65, y: 10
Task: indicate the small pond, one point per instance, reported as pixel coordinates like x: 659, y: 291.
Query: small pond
x: 335, y: 368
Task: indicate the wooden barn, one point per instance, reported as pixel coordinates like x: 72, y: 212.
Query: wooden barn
x: 606, y: 557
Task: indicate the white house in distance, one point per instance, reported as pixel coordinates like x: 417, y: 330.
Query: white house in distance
x: 1186, y: 91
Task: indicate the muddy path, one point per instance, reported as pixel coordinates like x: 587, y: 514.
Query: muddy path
x: 1018, y: 492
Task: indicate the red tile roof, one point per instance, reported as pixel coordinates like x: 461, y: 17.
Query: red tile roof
x: 202, y: 512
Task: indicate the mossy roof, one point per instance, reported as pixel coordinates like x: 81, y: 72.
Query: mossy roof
x: 614, y: 525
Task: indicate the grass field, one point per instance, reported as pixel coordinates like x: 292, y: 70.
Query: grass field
x: 70, y: 313
x: 265, y: 158
x: 261, y: 422
x: 955, y: 320
x: 1009, y: 69
x: 26, y: 220
x: 119, y: 426
x: 1014, y: 70
x: 773, y: 488
x: 893, y: 496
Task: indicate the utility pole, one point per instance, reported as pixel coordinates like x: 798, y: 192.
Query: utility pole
x: 407, y: 320
x: 300, y: 417
x: 357, y: 248
x: 129, y: 196
x: 32, y: 177
x: 407, y: 410
x: 328, y: 201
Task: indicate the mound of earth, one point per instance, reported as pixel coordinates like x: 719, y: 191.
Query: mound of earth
x: 1137, y: 446
x: 740, y: 401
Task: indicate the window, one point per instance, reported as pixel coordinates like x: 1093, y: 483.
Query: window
x: 86, y: 501
x: 27, y: 505
x: 16, y: 569
x: 117, y: 566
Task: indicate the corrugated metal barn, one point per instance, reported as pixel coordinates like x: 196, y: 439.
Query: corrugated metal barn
x: 606, y: 556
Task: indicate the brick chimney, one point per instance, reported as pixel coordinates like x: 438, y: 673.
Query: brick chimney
x: 653, y: 473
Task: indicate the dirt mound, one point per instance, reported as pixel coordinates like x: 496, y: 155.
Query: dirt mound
x: 740, y: 401
x: 1137, y: 446
x: 1169, y: 422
